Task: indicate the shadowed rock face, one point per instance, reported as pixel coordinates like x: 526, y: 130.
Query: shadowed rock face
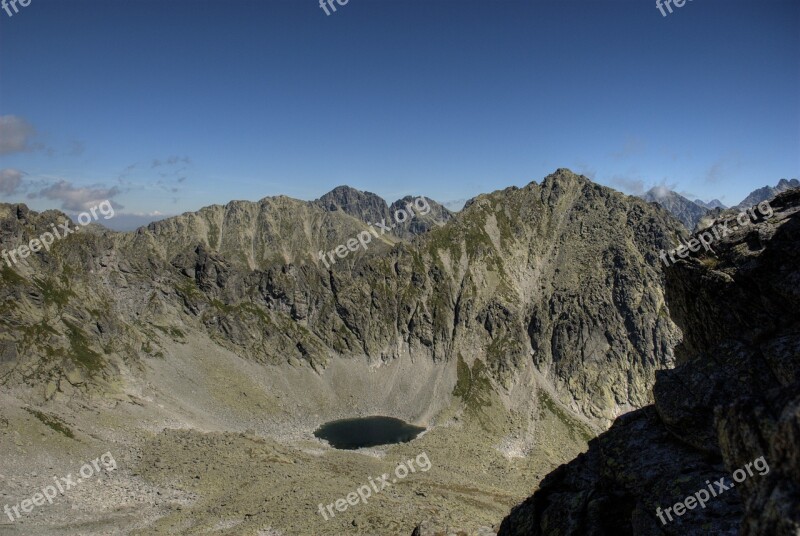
x: 371, y: 209
x: 733, y: 397
x: 365, y: 206
x: 420, y: 223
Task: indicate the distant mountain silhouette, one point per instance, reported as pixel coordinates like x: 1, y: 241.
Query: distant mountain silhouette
x: 767, y: 192
x: 688, y: 212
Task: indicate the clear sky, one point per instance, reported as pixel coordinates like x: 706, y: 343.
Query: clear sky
x: 168, y: 106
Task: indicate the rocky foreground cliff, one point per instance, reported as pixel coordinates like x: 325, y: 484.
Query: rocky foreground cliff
x: 732, y: 398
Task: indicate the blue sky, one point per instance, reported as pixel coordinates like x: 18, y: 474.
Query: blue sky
x: 168, y: 106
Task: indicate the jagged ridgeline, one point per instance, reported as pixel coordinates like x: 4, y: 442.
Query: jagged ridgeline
x: 560, y: 278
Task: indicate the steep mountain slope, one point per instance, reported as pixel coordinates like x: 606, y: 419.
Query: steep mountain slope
x: 252, y: 235
x: 507, y: 279
x: 766, y: 193
x: 688, y: 212
x: 731, y: 399
x: 521, y: 326
x: 280, y: 230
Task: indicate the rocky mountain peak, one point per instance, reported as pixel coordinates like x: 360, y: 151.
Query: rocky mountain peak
x: 366, y: 206
x: 564, y: 178
x: 688, y: 212
x: 436, y: 215
x: 766, y: 193
x: 714, y: 203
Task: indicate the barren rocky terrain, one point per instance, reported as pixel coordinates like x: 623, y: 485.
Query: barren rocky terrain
x: 204, y: 350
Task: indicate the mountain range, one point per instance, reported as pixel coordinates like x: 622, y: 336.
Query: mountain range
x: 690, y: 213
x: 514, y: 330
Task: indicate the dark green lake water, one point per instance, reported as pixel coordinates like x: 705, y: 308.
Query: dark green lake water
x: 350, y: 434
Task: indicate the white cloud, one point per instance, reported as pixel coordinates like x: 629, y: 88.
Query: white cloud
x: 629, y: 185
x: 78, y: 198
x: 660, y: 191
x: 10, y: 181
x: 15, y: 134
x: 146, y: 214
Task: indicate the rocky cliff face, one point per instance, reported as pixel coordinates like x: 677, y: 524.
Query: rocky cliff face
x: 731, y: 399
x: 254, y: 235
x: 365, y: 206
x: 437, y: 216
x: 371, y: 209
x: 505, y: 281
x: 561, y: 276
